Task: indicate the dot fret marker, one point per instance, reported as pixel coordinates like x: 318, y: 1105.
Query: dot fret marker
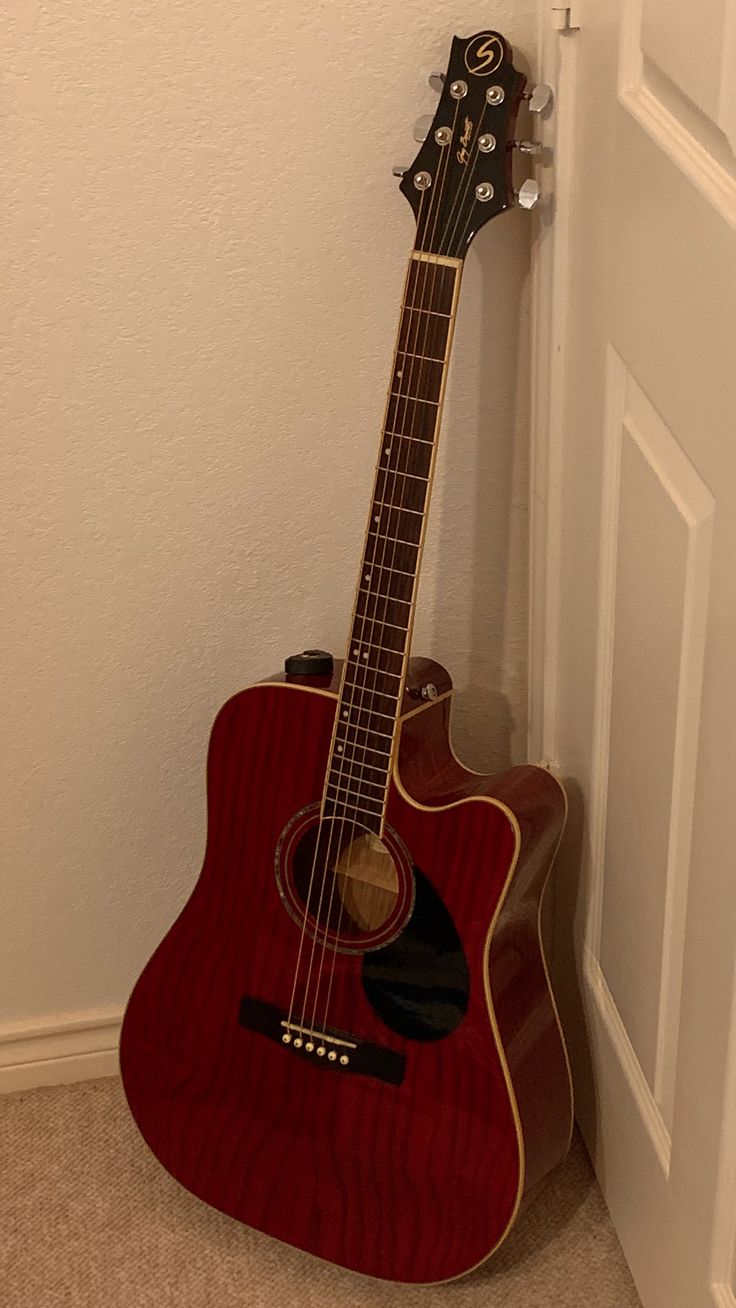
x: 362, y: 754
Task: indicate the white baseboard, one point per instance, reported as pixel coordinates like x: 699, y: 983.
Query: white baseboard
x: 66, y: 1047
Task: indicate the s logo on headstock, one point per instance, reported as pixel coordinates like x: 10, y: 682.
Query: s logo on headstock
x: 483, y: 54
x: 461, y: 177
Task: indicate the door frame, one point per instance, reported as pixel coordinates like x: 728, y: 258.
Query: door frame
x: 557, y: 64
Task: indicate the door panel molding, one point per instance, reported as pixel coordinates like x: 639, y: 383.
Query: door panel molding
x: 630, y: 415
x: 696, y: 505
x: 703, y: 150
x: 610, y: 1020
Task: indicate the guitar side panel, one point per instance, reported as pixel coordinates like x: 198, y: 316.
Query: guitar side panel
x: 523, y: 1002
x: 416, y: 1182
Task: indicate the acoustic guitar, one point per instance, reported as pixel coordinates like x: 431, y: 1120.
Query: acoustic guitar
x: 348, y: 1039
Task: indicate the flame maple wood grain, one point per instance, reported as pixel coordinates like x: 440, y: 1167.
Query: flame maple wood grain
x: 415, y: 1182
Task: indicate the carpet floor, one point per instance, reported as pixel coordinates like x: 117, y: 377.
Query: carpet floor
x: 88, y: 1217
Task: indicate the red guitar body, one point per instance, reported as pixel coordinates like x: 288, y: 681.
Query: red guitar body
x: 411, y: 1167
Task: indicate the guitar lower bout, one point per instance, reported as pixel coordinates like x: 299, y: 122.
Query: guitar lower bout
x: 394, y: 1128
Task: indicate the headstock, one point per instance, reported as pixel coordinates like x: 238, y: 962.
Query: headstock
x: 461, y: 176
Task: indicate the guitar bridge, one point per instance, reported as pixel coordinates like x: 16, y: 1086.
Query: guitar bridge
x: 330, y: 1048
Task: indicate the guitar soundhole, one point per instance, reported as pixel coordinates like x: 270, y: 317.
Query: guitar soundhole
x: 355, y: 887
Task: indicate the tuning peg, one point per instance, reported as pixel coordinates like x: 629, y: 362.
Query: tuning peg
x: 539, y: 98
x: 528, y: 147
x: 528, y: 193
x: 422, y: 126
x: 437, y: 82
x: 398, y: 170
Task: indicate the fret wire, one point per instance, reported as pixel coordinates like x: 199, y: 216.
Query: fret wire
x: 351, y: 761
x: 383, y: 671
x: 379, y: 594
x: 380, y: 799
x: 409, y: 416
x: 415, y: 399
x: 368, y: 749
x: 373, y: 690
x: 385, y: 568
x: 372, y: 713
x: 380, y: 649
x: 351, y: 808
x: 348, y: 800
x: 396, y: 473
x: 354, y: 794
x: 374, y: 799
x: 372, y: 767
x: 399, y: 508
x: 406, y: 436
x: 363, y: 617
x: 428, y: 358
x: 370, y: 568
x: 412, y: 308
x: 377, y: 671
x: 398, y: 540
x: 395, y: 626
x: 372, y: 731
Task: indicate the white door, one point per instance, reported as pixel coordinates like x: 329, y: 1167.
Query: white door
x: 634, y: 612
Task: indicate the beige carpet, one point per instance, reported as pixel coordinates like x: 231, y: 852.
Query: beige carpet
x: 88, y: 1217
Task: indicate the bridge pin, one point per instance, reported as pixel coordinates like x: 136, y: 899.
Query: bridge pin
x: 344, y: 1059
x: 298, y: 1042
x: 332, y: 1055
x: 286, y: 1038
x: 321, y: 1050
x: 309, y: 1046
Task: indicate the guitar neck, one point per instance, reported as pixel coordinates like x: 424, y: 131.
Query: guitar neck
x: 374, y: 672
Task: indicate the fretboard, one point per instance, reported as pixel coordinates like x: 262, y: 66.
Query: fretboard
x: 375, y: 665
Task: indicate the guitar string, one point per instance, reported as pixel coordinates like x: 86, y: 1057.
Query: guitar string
x: 361, y: 685
x: 370, y: 620
x: 474, y: 152
x: 427, y: 272
x: 448, y: 235
x: 348, y: 709
x: 330, y: 836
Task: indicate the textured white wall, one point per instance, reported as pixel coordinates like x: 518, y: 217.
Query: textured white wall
x: 202, y: 255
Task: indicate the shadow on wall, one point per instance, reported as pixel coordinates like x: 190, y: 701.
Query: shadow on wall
x: 479, y: 622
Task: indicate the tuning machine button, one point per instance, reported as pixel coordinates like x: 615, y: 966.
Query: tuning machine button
x: 422, y: 126
x: 399, y: 170
x: 539, y: 97
x: 528, y: 147
x: 528, y: 193
x: 437, y: 82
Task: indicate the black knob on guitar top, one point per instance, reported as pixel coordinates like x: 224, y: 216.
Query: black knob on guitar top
x: 310, y: 663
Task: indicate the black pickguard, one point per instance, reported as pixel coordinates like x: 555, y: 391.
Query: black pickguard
x: 419, y: 984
